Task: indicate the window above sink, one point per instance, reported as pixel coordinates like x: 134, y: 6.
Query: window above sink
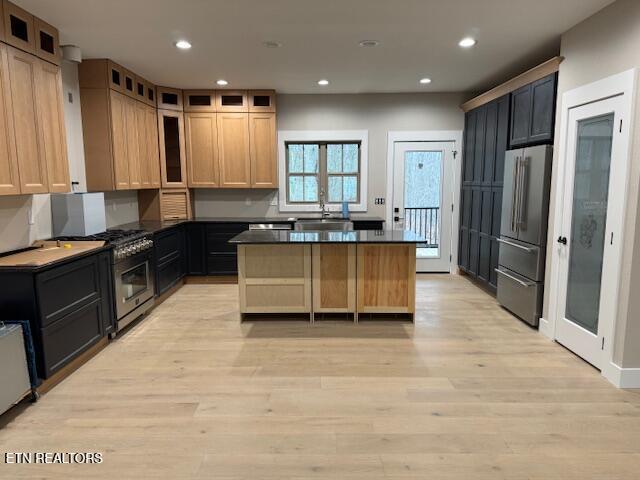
x: 322, y: 166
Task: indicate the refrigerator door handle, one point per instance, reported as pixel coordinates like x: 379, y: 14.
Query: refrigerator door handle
x: 521, y: 190
x: 521, y: 247
x: 514, y: 194
x: 517, y: 280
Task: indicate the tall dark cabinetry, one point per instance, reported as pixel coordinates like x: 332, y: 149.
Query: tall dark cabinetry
x: 486, y: 140
x: 518, y: 119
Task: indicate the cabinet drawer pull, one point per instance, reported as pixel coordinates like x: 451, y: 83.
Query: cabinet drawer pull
x: 517, y: 280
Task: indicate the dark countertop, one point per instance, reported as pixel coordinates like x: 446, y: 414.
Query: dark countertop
x: 252, y: 237
x: 153, y: 226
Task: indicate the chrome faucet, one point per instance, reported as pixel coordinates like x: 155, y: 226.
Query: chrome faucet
x: 325, y: 213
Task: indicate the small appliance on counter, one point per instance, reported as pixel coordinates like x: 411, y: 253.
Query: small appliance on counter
x: 523, y: 231
x: 78, y: 213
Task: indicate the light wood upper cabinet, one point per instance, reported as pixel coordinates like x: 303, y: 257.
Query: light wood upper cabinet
x: 262, y: 138
x: 169, y: 98
x: 119, y: 141
x: 153, y: 152
x: 199, y: 100
x: 233, y: 150
x: 24, y: 79
x: 231, y: 101
x: 9, y: 177
x: 120, y: 128
x: 47, y: 41
x: 261, y: 101
x: 147, y: 130
x: 51, y: 116
x: 143, y: 157
x: 172, y: 150
x: 18, y: 27
x: 202, y: 149
x: 131, y: 133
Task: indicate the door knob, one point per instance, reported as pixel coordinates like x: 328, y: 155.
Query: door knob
x: 562, y: 240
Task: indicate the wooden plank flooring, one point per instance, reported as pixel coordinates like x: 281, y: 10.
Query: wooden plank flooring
x: 468, y: 392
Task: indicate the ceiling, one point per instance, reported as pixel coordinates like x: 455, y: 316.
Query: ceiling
x: 418, y: 38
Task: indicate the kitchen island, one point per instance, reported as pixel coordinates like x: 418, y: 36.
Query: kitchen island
x: 308, y: 272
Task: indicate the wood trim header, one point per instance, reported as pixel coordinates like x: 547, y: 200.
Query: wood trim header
x: 550, y: 66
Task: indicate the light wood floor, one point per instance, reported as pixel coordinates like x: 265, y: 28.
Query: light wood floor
x: 468, y: 392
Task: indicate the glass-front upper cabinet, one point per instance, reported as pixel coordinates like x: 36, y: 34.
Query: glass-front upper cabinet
x: 172, y: 148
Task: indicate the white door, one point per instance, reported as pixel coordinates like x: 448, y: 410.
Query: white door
x: 423, y: 199
x: 590, y: 238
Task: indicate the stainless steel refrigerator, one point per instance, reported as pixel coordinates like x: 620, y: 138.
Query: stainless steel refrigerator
x: 523, y: 231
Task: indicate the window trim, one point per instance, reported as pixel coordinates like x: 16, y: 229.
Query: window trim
x: 322, y: 175
x: 322, y: 136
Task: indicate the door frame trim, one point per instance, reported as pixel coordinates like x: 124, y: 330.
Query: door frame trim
x: 621, y: 84
x: 454, y: 136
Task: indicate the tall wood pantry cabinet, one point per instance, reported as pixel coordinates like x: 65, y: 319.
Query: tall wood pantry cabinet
x: 120, y: 129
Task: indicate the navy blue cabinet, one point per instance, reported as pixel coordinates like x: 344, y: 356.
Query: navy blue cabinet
x: 69, y: 307
x: 533, y: 112
x: 169, y: 256
x: 486, y: 138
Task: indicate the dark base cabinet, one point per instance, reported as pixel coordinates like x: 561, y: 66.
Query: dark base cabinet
x: 69, y: 307
x: 368, y: 224
x: 221, y: 256
x: 169, y: 257
x: 208, y: 251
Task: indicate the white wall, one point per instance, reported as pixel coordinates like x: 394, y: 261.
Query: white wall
x: 24, y: 219
x: 376, y: 113
x: 73, y: 124
x: 602, y: 45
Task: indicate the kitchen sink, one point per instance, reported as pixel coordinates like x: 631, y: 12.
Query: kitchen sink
x: 323, y: 224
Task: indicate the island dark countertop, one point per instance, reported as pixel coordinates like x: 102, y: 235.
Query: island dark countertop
x: 253, y: 237
x: 154, y: 226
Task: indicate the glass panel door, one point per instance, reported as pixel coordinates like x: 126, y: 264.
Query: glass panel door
x: 422, y: 199
x: 589, y: 246
x: 588, y: 220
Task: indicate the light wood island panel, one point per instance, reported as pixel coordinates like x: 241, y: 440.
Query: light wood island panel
x: 386, y: 278
x: 334, y: 278
x: 274, y: 278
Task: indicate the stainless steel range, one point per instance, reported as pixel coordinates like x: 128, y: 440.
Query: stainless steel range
x: 133, y: 277
x: 133, y: 271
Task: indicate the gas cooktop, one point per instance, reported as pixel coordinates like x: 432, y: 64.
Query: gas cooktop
x: 113, y: 237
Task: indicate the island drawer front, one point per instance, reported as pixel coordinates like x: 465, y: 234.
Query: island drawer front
x: 67, y: 288
x: 274, y: 278
x: 276, y: 298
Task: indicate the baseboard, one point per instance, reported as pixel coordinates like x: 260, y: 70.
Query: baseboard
x: 622, y: 377
x: 545, y: 328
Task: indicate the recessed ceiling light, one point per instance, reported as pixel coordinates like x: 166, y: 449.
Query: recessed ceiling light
x: 222, y: 82
x: 323, y: 82
x: 369, y: 43
x: 425, y: 81
x: 183, y: 45
x: 467, y: 42
x: 272, y: 44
